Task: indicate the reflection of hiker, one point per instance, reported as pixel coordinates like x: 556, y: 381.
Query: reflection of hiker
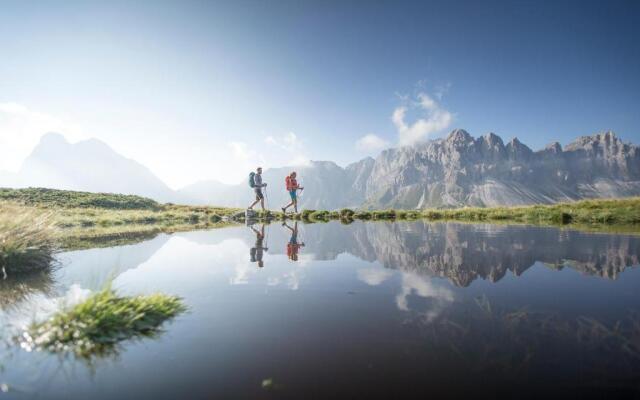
x: 255, y: 181
x: 292, y: 187
x: 258, y: 249
x: 293, y: 246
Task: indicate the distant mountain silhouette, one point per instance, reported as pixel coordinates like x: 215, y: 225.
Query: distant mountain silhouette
x: 454, y: 171
x: 89, y: 165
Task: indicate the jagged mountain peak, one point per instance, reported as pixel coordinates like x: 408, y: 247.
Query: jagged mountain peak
x: 601, y: 139
x: 554, y: 148
x: 459, y: 135
x: 492, y: 138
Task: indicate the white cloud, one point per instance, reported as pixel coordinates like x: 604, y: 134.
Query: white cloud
x: 21, y: 129
x: 374, y: 276
x: 434, y: 118
x: 287, y: 149
x: 288, y: 142
x: 371, y: 143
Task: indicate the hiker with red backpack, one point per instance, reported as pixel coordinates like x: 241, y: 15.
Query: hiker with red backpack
x: 292, y: 187
x: 255, y: 182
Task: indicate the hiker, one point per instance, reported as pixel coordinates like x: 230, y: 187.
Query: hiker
x: 255, y: 181
x: 258, y: 249
x: 292, y: 187
x: 293, y: 246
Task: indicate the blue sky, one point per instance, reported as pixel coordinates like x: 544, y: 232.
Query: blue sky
x: 205, y: 90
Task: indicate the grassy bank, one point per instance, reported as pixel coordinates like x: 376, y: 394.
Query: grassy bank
x: 586, y: 212
x: 602, y: 212
x: 96, y: 325
x: 82, y: 219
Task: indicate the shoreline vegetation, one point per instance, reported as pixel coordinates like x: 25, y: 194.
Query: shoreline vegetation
x: 96, y: 325
x: 36, y: 222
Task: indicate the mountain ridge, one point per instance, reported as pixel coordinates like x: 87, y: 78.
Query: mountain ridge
x: 453, y: 171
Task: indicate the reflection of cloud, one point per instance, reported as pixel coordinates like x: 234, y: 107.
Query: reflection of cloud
x: 374, y: 276
x: 415, y: 284
x: 40, y: 307
x: 242, y: 272
x: 293, y: 278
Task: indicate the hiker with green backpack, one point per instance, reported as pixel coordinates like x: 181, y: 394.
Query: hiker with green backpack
x: 255, y: 182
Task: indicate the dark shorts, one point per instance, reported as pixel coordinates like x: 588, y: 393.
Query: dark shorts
x: 293, y: 195
x: 259, y: 195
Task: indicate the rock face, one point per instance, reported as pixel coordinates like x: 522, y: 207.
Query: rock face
x: 461, y: 170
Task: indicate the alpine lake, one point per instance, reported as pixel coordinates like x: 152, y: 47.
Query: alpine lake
x: 360, y: 310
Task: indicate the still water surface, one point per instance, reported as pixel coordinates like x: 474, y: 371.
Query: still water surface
x: 344, y: 311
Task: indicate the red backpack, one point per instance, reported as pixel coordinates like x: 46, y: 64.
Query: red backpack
x: 290, y: 183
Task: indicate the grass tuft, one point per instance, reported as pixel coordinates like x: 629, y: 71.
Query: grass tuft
x: 103, y: 320
x: 27, y: 240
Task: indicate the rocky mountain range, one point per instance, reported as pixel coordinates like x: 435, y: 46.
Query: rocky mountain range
x: 461, y: 170
x: 453, y: 171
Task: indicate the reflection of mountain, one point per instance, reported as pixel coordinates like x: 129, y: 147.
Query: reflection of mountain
x: 92, y: 268
x: 463, y: 253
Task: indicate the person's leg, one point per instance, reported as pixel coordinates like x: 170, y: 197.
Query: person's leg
x: 295, y: 205
x: 262, y: 203
x: 287, y: 226
x: 259, y: 197
x: 253, y: 204
x: 284, y: 209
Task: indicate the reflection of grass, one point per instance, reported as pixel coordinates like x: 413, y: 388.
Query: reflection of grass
x: 16, y: 289
x: 27, y: 240
x: 103, y: 320
x: 84, y: 238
